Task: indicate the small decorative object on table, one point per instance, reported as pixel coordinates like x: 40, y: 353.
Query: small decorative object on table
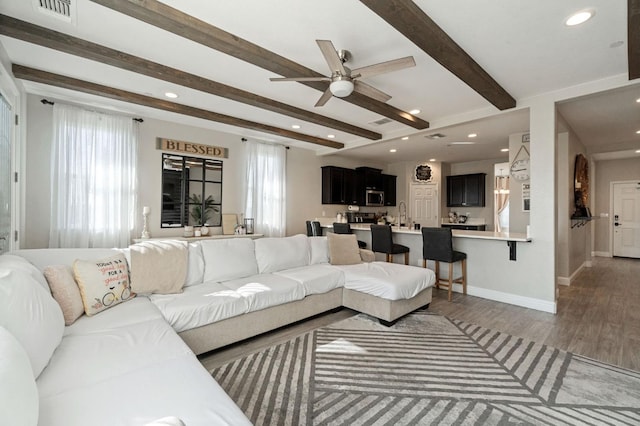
x: 204, y: 231
x: 188, y: 231
x: 145, y: 224
x: 248, y: 225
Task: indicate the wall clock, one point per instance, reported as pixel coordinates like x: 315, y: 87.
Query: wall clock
x: 521, y: 166
x: 423, y: 173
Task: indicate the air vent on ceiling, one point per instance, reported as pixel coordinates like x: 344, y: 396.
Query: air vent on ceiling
x: 381, y: 121
x: 59, y: 8
x: 435, y: 136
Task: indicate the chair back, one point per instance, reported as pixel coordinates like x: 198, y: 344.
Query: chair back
x: 341, y: 228
x: 437, y: 244
x: 381, y: 238
x: 314, y: 229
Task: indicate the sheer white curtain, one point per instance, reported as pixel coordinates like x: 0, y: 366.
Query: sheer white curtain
x: 93, y: 178
x: 266, y: 188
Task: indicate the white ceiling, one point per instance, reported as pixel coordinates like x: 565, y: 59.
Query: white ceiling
x: 523, y: 45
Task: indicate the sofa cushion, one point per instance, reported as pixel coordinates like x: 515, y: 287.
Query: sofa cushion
x: 343, y: 249
x: 391, y: 281
x: 276, y: 254
x: 65, y: 291
x: 29, y: 313
x: 266, y: 290
x: 315, y: 279
x: 18, y: 391
x: 318, y: 250
x: 200, y: 305
x: 10, y: 261
x: 228, y: 259
x: 103, y: 283
x: 195, y: 268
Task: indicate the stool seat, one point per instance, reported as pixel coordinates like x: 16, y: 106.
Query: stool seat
x: 382, y: 242
x: 313, y: 228
x: 437, y: 245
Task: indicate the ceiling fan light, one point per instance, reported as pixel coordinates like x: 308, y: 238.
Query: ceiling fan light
x: 341, y: 88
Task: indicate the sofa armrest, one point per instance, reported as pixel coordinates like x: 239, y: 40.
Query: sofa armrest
x: 367, y: 255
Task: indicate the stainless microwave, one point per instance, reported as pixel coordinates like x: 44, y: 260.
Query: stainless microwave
x: 374, y: 198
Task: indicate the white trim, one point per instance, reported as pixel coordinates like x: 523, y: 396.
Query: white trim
x: 512, y: 299
x: 567, y: 281
x: 601, y: 254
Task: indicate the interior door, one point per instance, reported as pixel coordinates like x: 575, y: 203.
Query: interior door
x: 424, y: 202
x: 6, y: 126
x: 626, y: 219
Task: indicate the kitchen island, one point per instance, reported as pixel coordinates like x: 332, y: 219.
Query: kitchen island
x: 496, y: 270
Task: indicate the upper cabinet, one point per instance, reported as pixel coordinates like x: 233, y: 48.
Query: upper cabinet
x: 389, y: 188
x: 338, y: 185
x: 369, y: 178
x: 466, y: 190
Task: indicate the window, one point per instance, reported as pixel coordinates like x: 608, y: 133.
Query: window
x: 93, y: 182
x: 266, y: 188
x: 191, y: 191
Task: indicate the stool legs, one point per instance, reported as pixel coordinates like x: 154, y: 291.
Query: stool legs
x: 406, y: 258
x: 450, y: 280
x: 464, y: 276
x: 450, y: 290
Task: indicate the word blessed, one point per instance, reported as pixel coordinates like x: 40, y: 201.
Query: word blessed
x: 192, y: 148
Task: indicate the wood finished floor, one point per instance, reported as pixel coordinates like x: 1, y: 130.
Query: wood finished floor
x: 598, y: 317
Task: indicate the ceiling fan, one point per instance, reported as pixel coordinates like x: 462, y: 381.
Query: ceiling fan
x: 344, y: 80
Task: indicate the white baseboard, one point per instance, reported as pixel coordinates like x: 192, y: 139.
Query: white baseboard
x: 567, y: 281
x: 601, y: 254
x: 512, y: 299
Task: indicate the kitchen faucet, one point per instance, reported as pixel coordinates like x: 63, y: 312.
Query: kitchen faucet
x: 402, y: 212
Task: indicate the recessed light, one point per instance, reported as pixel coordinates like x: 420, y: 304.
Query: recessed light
x: 432, y: 159
x: 171, y: 95
x: 406, y: 138
x: 638, y: 100
x: 414, y: 111
x: 472, y: 135
x: 637, y: 151
x: 504, y: 150
x: 331, y: 136
x: 638, y: 132
x: 295, y: 126
x: 579, y: 17
x: 393, y: 150
x: 462, y: 143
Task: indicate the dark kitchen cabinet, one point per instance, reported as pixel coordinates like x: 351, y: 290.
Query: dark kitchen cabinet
x: 338, y: 185
x: 389, y: 188
x: 466, y: 190
x: 369, y: 178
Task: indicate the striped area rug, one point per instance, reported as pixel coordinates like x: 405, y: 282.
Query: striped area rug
x: 426, y: 369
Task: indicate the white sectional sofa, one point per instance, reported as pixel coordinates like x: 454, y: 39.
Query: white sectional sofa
x: 135, y: 362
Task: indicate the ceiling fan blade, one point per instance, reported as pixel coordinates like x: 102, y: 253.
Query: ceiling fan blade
x: 331, y: 56
x: 324, y: 98
x: 370, y: 91
x: 300, y: 79
x: 384, y: 67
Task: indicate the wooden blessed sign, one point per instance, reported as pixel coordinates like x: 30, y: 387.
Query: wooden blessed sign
x: 192, y: 148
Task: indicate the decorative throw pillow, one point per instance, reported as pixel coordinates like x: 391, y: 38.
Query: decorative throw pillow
x: 66, y: 292
x: 343, y: 249
x: 103, y: 283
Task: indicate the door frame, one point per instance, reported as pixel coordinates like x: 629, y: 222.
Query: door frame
x: 610, y: 225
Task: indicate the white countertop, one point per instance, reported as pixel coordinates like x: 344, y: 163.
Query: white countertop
x: 457, y: 233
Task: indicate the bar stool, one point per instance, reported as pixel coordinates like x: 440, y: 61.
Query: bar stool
x: 437, y: 245
x: 382, y: 242
x: 345, y: 228
x: 314, y: 229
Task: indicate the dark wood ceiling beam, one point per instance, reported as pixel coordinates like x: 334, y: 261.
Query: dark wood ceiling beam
x: 31, y: 33
x: 162, y: 16
x: 39, y: 76
x: 407, y: 17
x: 633, y: 38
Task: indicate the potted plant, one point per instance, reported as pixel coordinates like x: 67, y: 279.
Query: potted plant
x: 202, y: 211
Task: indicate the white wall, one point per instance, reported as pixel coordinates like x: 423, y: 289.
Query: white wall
x: 304, y: 183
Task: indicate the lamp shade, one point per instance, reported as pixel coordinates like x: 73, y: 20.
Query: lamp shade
x: 341, y: 88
